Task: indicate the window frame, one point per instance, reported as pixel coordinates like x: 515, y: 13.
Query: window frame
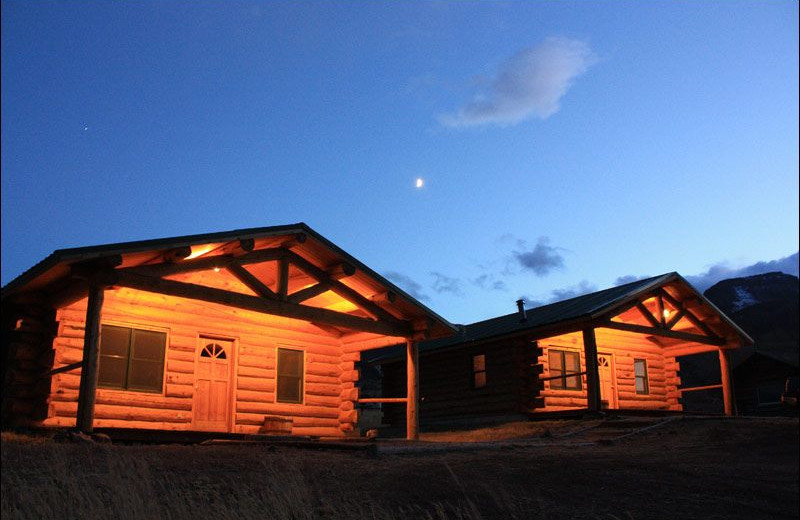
x: 644, y: 378
x: 476, y: 372
x: 302, y: 398
x: 129, y: 358
x: 565, y: 376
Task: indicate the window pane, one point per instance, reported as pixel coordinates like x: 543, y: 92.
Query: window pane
x: 641, y: 388
x: 480, y: 379
x: 573, y: 362
x: 290, y: 376
x: 114, y: 341
x: 290, y: 389
x: 111, y: 372
x: 290, y: 362
x: 148, y: 344
x: 574, y: 382
x: 555, y: 360
x: 639, y: 367
x: 478, y: 363
x: 145, y: 375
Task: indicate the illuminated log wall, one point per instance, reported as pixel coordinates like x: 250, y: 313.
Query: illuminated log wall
x: 329, y: 379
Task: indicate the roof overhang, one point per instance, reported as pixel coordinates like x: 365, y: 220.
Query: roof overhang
x: 306, y: 250
x: 722, y: 331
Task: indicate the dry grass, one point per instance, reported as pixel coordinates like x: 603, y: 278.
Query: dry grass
x: 43, y: 479
x: 510, y: 431
x: 711, y: 469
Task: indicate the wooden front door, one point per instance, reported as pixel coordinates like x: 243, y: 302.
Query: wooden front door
x: 212, y: 388
x: 608, y: 381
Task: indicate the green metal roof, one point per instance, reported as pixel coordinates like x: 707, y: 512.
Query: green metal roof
x: 576, y: 309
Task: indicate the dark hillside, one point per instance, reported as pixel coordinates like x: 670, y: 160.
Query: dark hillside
x: 766, y: 307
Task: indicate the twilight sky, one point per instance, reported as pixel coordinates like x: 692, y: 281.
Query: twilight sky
x: 564, y: 146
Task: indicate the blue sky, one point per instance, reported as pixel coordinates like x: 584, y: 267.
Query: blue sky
x: 564, y: 146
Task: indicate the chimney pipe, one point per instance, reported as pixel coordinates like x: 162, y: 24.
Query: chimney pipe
x: 521, y: 309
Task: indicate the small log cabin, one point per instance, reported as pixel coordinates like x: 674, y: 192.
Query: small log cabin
x: 613, y: 349
x: 247, y: 331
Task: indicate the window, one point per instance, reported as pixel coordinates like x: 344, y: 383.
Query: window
x: 479, y: 371
x: 565, y: 368
x: 290, y: 376
x: 640, y: 373
x: 131, y: 359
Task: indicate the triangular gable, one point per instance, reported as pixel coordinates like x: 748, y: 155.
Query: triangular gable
x: 674, y: 311
x: 285, y: 270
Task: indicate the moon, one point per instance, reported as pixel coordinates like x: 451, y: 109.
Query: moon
x: 419, y: 183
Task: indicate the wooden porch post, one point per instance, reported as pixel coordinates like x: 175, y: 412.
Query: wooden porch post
x: 91, y: 357
x: 412, y: 375
x: 727, y: 388
x: 592, y: 372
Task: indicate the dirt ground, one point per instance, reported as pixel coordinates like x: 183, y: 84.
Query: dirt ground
x: 717, y: 468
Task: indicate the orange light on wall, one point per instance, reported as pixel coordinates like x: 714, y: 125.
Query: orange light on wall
x: 342, y: 306
x: 199, y: 251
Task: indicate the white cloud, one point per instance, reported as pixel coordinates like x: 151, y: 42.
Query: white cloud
x: 531, y: 83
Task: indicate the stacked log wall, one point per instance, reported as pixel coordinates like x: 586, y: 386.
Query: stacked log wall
x: 447, y: 390
x: 28, y: 327
x: 672, y: 371
x: 662, y: 373
x: 552, y: 399
x: 256, y: 338
x: 348, y: 395
x: 626, y: 348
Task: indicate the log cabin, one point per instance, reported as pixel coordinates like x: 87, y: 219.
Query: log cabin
x: 617, y: 348
x: 243, y: 332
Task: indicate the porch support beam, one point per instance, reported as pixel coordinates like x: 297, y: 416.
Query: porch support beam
x: 687, y: 350
x: 686, y: 336
x: 89, y: 365
x: 176, y: 255
x: 412, y: 397
x: 250, y: 280
x: 341, y: 289
x: 257, y: 304
x: 676, y: 318
x: 205, y: 262
x: 697, y: 322
x: 283, y: 278
x: 646, y: 313
x: 237, y: 247
x: 592, y: 372
x: 309, y: 292
x: 727, y: 387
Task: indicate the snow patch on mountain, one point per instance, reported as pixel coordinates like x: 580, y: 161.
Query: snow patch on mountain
x: 743, y: 299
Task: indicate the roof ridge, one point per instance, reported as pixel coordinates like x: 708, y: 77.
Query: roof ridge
x: 642, y: 281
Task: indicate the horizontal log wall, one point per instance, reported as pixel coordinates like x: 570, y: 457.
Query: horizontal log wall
x: 447, y: 390
x: 28, y: 327
x: 556, y: 399
x: 256, y: 337
x: 661, y: 374
x: 663, y: 379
